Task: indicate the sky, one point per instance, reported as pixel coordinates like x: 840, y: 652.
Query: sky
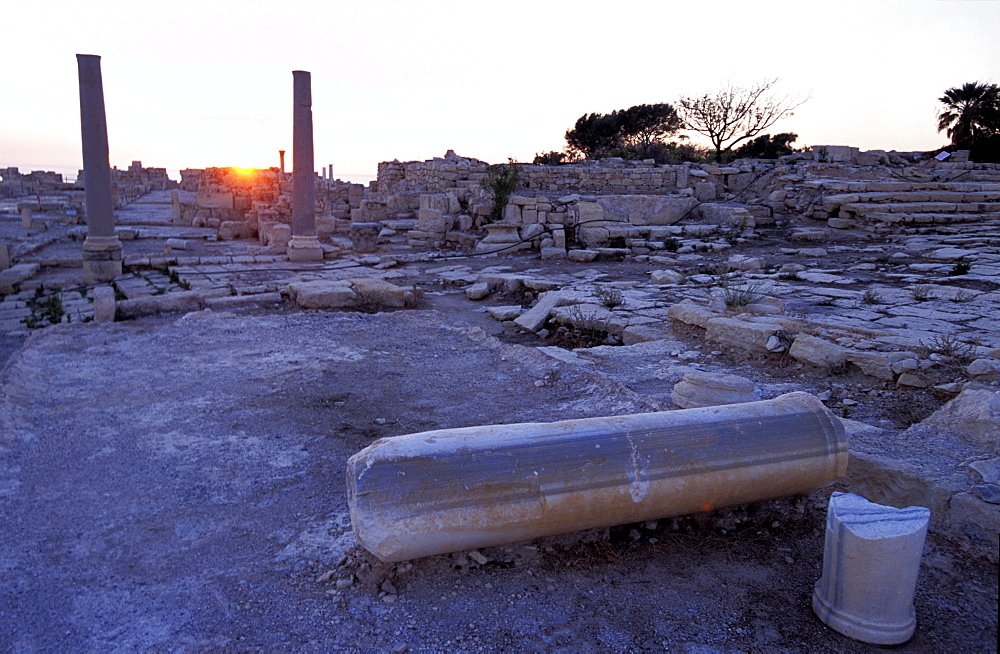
x: 191, y: 84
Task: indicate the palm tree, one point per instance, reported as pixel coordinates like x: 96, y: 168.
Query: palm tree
x: 971, y: 112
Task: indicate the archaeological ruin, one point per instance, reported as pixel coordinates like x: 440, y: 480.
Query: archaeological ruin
x: 293, y: 324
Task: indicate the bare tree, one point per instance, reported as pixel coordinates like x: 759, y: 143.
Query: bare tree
x: 735, y: 113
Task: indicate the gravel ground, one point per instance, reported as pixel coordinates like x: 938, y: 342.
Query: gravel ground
x: 178, y: 484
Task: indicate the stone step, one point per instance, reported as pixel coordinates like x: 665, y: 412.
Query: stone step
x: 964, y: 185
x: 832, y: 202
x: 938, y: 218
x: 854, y: 209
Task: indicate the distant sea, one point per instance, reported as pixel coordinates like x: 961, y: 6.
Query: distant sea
x: 69, y: 173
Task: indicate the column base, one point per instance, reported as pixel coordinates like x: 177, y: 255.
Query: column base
x: 102, y: 258
x: 305, y: 248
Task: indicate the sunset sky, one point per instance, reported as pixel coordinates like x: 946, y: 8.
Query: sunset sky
x: 206, y: 83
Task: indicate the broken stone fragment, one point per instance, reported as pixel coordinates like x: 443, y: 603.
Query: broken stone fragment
x: 322, y: 294
x: 911, y: 380
x: 983, y: 368
x: 477, y: 291
x: 663, y: 277
x: 699, y: 389
x: 742, y: 334
x: 974, y: 414
x: 871, y: 560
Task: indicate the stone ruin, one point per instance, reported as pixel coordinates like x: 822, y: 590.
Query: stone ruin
x: 910, y: 294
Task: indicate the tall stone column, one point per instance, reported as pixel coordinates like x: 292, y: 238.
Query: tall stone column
x: 102, y: 251
x: 304, y: 246
x: 281, y: 158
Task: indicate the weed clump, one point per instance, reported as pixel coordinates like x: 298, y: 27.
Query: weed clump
x: 610, y: 297
x: 871, y: 296
x: 581, y: 330
x: 44, y: 310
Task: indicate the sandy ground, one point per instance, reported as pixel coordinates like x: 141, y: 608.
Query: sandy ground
x: 177, y: 484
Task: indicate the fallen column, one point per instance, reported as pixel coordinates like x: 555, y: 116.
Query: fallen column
x: 456, y: 489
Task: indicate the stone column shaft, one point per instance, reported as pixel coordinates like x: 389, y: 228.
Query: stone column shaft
x: 101, y: 249
x: 871, y: 559
x: 458, y: 489
x: 303, y: 175
x: 304, y: 246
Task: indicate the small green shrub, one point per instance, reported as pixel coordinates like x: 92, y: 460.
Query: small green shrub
x: 670, y: 244
x: 741, y: 297
x: 44, y: 310
x: 500, y: 182
x: 789, y: 277
x: 960, y: 268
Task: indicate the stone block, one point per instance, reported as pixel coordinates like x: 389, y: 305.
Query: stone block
x: 12, y: 277
x: 974, y: 414
x: 871, y: 560
x: 364, y: 236
x: 213, y: 200
x: 817, y: 351
x: 378, y: 293
x: 553, y: 252
x: 704, y: 191
x: 582, y: 256
x: 432, y: 220
x: 645, y: 209
x: 233, y: 229
x: 504, y: 313
x: 690, y: 313
x: 322, y: 294
x: 477, y: 291
x: 534, y: 318
x: 532, y: 231
x: 665, y: 277
x: 699, y: 389
x: 279, y: 235
x: 149, y: 305
x: 655, y: 331
x: 877, y: 364
x: 104, y: 304
x: 740, y: 333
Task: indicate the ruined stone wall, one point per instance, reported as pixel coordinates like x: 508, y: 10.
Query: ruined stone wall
x: 13, y: 183
x: 605, y: 177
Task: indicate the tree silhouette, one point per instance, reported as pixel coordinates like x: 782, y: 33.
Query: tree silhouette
x: 971, y: 113
x: 735, y: 113
x: 636, y: 127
